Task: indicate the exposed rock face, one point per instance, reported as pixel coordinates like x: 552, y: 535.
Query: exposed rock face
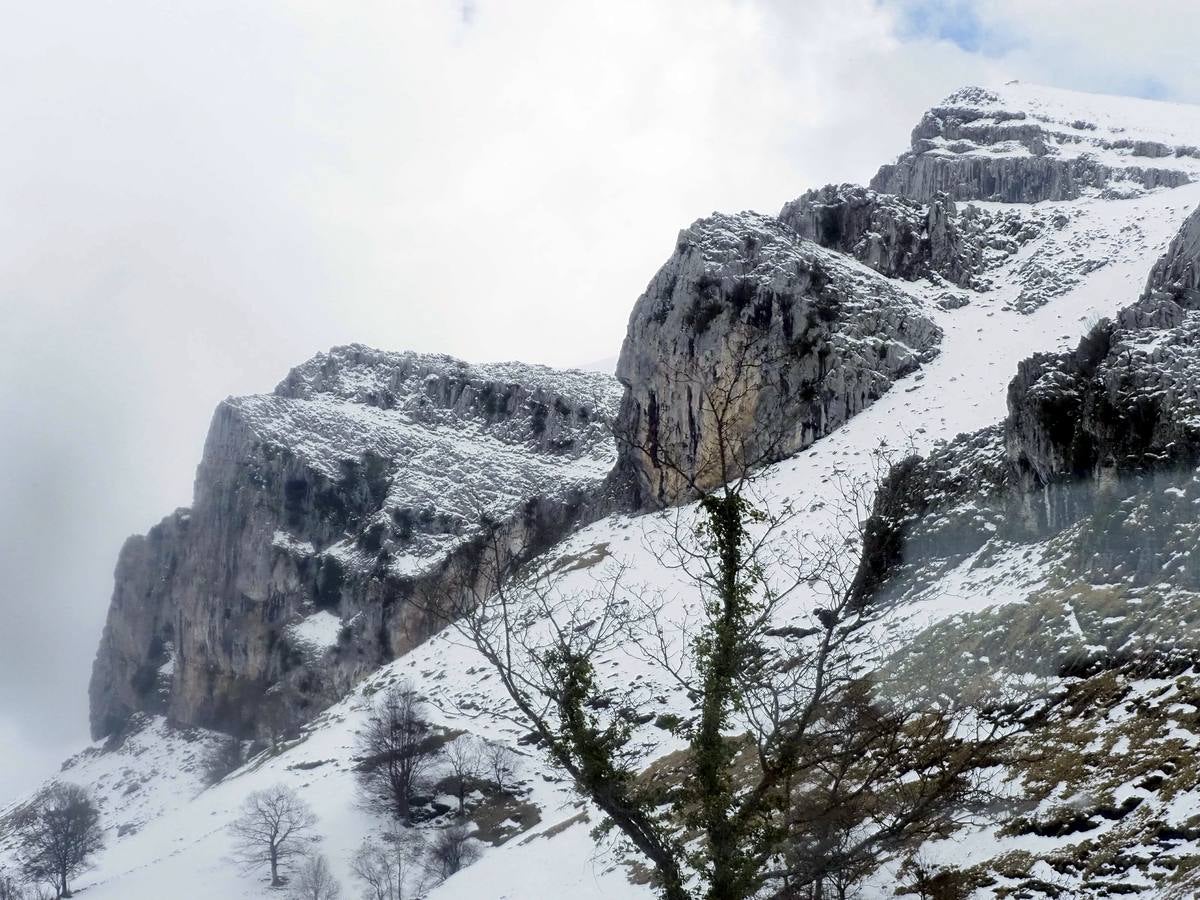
x: 1174, y: 278
x: 1104, y: 439
x: 923, y: 175
x: 748, y: 322
x: 1019, y: 147
x: 896, y: 237
x: 1128, y: 398
x: 901, y: 238
x: 367, y: 478
x: 132, y: 668
x: 321, y: 510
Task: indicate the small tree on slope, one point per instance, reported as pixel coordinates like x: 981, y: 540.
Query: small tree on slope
x: 799, y: 769
x: 390, y: 869
x: 226, y: 756
x: 465, y: 760
x: 314, y: 880
x: 58, y: 832
x: 395, y: 751
x: 275, y: 828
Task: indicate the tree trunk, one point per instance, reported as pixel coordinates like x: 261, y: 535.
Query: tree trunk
x: 275, y: 882
x: 720, y: 669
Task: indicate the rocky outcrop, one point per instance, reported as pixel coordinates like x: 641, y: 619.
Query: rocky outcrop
x: 752, y: 327
x: 367, y: 479
x: 1128, y: 398
x: 901, y: 238
x: 923, y: 175
x: 132, y: 670
x: 1011, y: 147
x: 1103, y: 439
x: 1174, y: 283
x: 321, y: 510
x: 896, y: 237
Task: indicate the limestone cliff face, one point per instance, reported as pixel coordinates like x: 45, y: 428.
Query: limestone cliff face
x: 320, y: 511
x: 896, y: 237
x: 1128, y: 398
x: 1098, y: 452
x: 367, y: 478
x: 1174, y: 282
x: 901, y: 238
x: 132, y: 668
x: 1018, y: 147
x: 750, y: 324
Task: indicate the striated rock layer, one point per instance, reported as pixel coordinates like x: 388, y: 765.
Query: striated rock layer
x: 896, y: 237
x: 1018, y: 144
x: 321, y: 510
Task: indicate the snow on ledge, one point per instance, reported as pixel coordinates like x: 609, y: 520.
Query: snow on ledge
x: 317, y: 632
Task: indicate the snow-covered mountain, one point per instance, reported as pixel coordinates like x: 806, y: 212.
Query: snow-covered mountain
x: 320, y: 509
x: 1050, y: 531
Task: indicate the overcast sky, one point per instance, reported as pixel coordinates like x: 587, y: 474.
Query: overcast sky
x: 196, y: 196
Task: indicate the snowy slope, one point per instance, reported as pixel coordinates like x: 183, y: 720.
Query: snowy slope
x: 1023, y: 143
x: 1099, y: 253
x: 1116, y: 130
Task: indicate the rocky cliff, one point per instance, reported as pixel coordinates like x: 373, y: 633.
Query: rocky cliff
x: 903, y: 238
x: 322, y: 508
x: 1099, y: 447
x: 1128, y: 398
x: 1039, y: 541
x: 753, y: 334
x: 1058, y: 554
x: 896, y: 237
x: 1023, y: 144
x: 319, y: 511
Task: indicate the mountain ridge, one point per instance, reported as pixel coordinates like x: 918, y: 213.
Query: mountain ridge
x: 1013, y: 294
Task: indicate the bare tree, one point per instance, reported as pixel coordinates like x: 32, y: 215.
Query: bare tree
x: 57, y: 832
x: 799, y: 769
x: 314, y: 880
x: 395, y: 751
x: 10, y: 888
x: 500, y: 763
x: 451, y: 850
x: 226, y: 756
x: 274, y: 720
x: 466, y: 761
x: 275, y: 827
x: 389, y: 869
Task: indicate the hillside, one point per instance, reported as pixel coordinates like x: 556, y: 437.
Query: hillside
x: 938, y: 312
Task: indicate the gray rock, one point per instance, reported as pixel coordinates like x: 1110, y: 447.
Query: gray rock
x: 364, y: 481
x: 901, y: 238
x: 1107, y: 435
x: 896, y: 237
x: 1128, y: 397
x: 1174, y: 283
x: 137, y: 643
x: 973, y: 147
x: 805, y: 338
